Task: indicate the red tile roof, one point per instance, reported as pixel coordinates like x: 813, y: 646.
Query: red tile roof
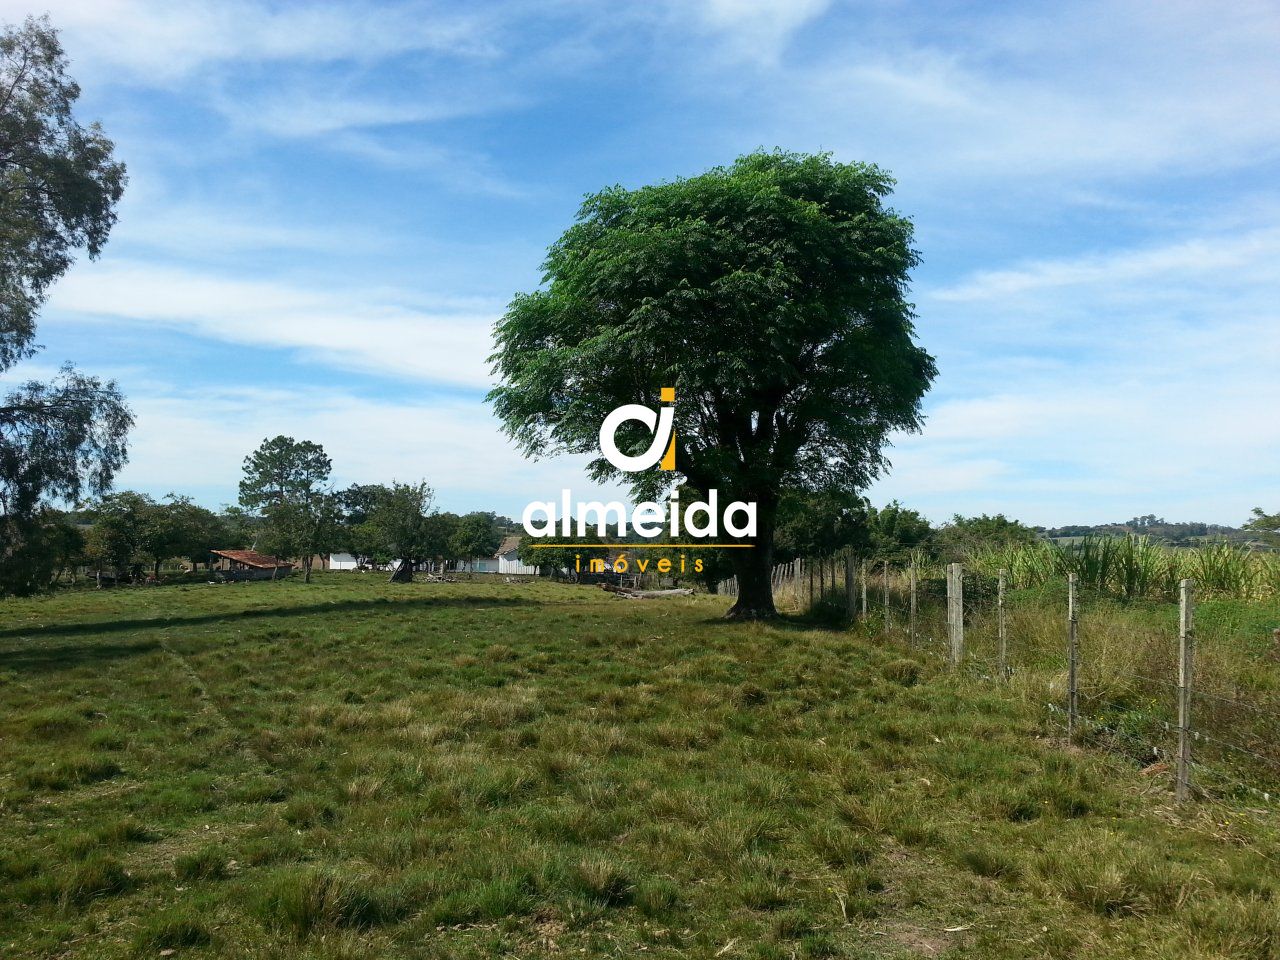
x: 508, y: 545
x: 251, y: 558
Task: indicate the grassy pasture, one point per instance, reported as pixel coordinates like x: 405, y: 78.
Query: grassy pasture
x: 355, y: 769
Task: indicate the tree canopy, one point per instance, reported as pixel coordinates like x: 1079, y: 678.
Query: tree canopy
x: 895, y: 532
x: 59, y: 186
x: 771, y: 294
x: 1266, y: 526
x: 476, y: 535
x: 962, y: 535
x: 287, y: 481
x: 403, y: 525
x: 820, y: 524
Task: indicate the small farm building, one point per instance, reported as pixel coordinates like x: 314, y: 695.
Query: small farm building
x: 248, y: 565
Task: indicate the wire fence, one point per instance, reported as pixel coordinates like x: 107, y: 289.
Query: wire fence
x: 1194, y: 703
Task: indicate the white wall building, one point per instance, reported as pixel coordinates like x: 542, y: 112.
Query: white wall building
x: 506, y: 560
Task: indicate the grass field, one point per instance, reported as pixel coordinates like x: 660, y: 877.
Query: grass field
x: 354, y: 769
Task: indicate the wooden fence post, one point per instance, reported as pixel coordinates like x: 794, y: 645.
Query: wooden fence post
x: 1002, y: 637
x: 1073, y: 657
x: 862, y: 581
x: 809, y: 565
x: 850, y: 599
x: 955, y: 611
x: 911, y: 615
x: 1186, y: 650
x: 886, y: 595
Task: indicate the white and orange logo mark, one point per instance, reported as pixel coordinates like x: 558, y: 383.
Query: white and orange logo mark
x: 663, y: 449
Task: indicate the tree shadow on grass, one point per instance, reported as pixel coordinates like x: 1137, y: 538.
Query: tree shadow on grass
x: 9, y: 656
x: 66, y: 656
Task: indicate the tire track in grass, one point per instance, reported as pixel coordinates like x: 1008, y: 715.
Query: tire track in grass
x: 211, y: 709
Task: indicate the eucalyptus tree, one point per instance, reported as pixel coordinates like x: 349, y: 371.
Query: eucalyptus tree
x: 59, y: 185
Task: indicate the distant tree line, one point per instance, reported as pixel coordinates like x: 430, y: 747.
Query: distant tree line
x: 287, y: 509
x: 1177, y: 534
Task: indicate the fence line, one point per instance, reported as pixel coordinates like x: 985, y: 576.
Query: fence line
x: 1198, y: 735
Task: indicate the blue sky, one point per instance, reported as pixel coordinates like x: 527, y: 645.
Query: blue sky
x: 330, y: 204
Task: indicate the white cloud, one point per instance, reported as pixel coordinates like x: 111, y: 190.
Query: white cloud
x: 313, y: 109
x: 456, y: 446
x: 464, y: 172
x: 1093, y: 446
x: 759, y: 29
x: 1101, y: 387
x: 373, y: 331
x: 158, y: 42
x: 1198, y: 258
x: 194, y: 228
x: 1045, y: 96
x: 306, y: 71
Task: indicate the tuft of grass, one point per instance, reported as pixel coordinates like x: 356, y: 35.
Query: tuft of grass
x: 656, y: 897
x: 605, y: 881
x: 987, y: 860
x: 840, y: 847
x: 97, y: 876
x: 505, y: 893
x: 18, y: 866
x: 71, y: 772
x: 207, y: 863
x: 298, y: 900
x: 172, y: 930
x: 1111, y: 880
x: 905, y: 672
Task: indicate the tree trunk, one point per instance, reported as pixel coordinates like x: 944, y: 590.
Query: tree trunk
x: 753, y: 568
x: 155, y: 571
x: 402, y: 573
x: 306, y: 570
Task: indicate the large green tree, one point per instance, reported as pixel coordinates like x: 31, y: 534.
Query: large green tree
x: 124, y: 534
x: 287, y: 480
x: 194, y: 530
x: 50, y: 545
x: 59, y: 185
x: 570, y: 555
x: 770, y: 293
x: 476, y: 535
x: 403, y: 525
x: 357, y: 503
